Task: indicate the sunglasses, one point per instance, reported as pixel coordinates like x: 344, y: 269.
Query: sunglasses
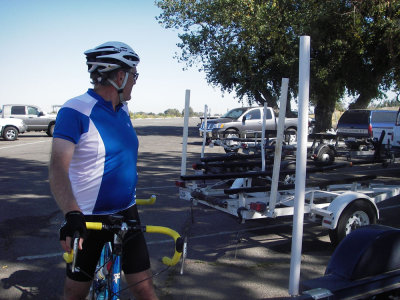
x: 135, y: 75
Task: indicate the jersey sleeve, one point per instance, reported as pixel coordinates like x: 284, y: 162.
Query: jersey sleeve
x: 70, y: 125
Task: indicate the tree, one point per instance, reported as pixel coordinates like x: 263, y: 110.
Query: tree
x: 191, y: 112
x: 233, y: 44
x: 173, y: 112
x: 248, y: 46
x: 375, y: 51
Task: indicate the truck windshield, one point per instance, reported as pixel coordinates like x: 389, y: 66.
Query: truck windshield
x: 234, y: 113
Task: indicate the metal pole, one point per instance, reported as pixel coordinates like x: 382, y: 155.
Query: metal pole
x: 278, y: 146
x: 185, y: 132
x: 301, y: 162
x: 205, y: 130
x: 263, y: 137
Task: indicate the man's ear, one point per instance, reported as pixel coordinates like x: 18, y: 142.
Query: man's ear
x: 120, y: 77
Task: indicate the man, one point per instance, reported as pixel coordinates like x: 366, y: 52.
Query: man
x: 93, y: 169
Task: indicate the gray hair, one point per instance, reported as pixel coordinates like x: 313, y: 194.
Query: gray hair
x: 101, y: 79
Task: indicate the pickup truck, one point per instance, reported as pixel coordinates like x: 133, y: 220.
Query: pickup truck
x: 11, y: 128
x: 244, y: 121
x: 33, y: 116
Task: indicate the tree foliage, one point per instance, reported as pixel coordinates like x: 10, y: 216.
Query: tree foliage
x: 248, y: 46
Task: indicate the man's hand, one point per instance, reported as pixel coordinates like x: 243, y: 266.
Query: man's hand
x: 74, y: 222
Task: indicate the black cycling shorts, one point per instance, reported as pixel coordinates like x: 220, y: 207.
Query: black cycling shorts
x: 135, y: 256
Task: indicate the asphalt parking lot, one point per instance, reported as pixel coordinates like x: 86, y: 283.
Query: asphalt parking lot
x: 226, y: 260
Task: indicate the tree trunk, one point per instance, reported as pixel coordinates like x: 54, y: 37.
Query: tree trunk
x: 362, y: 101
x: 368, y: 93
x: 323, y: 116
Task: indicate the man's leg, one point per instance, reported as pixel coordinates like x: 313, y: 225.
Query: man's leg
x: 76, y: 290
x: 145, y: 289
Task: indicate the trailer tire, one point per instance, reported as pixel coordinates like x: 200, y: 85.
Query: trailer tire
x: 356, y: 214
x: 231, y: 133
x: 290, y: 136
x: 324, y: 155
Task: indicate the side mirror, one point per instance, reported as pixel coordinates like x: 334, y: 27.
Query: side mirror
x: 244, y: 120
x: 40, y: 114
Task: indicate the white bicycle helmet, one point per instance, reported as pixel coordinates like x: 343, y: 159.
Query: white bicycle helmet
x: 110, y: 56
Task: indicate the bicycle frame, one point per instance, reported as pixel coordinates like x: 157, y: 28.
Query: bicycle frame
x: 106, y: 283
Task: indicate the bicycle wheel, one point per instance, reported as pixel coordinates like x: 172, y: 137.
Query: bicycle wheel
x: 105, y: 285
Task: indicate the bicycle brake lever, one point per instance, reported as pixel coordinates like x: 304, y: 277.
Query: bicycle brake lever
x: 75, y: 248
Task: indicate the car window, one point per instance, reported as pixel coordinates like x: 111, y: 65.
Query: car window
x: 355, y: 117
x: 18, y: 110
x: 384, y: 116
x: 234, y: 113
x: 253, y: 115
x: 269, y: 115
x: 33, y: 110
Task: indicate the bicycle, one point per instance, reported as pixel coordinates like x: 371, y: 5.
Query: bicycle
x: 106, y: 279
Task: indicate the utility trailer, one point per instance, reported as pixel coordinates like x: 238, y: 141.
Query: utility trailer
x: 250, y: 140
x: 339, y: 201
x: 325, y: 148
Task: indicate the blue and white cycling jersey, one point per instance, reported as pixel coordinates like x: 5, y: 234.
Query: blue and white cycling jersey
x: 103, y: 170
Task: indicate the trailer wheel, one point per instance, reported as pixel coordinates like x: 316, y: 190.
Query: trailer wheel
x: 323, y: 155
x: 356, y: 214
x: 291, y: 136
x: 231, y: 146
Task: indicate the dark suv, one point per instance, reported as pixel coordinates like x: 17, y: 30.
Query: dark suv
x: 363, y: 127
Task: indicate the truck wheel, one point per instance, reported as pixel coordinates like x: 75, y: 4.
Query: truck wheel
x: 291, y: 136
x: 50, y: 130
x: 10, y: 133
x: 356, y: 214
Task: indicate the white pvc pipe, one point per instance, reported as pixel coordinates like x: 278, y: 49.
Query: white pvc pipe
x: 185, y: 132
x: 205, y: 131
x: 301, y: 163
x: 278, y: 145
x: 263, y: 137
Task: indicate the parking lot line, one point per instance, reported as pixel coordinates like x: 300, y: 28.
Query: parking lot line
x: 13, y: 146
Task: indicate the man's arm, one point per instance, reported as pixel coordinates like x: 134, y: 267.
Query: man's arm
x: 60, y: 185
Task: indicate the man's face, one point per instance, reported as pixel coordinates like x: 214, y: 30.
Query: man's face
x: 130, y: 83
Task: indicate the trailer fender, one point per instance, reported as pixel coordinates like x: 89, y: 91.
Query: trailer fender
x: 324, y: 155
x: 340, y: 203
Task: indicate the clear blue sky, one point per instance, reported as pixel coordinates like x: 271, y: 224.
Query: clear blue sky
x: 42, y: 61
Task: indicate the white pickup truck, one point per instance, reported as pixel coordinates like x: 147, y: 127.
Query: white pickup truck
x: 11, y: 128
x: 33, y: 116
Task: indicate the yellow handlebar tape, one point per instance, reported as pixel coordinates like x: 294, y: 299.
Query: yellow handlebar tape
x: 94, y: 225
x: 149, y: 201
x: 172, y: 233
x: 68, y: 256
